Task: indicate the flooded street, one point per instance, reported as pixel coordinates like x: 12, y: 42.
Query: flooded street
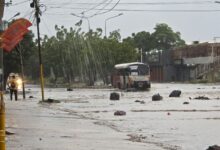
x: 85, y: 119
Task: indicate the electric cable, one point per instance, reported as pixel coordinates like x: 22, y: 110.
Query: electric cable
x: 146, y: 3
x: 99, y: 4
x: 19, y: 3
x: 106, y: 10
x: 153, y: 10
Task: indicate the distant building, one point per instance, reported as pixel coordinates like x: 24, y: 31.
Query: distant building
x: 161, y: 67
x: 185, y: 63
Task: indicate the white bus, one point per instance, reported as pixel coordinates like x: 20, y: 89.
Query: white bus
x: 131, y: 75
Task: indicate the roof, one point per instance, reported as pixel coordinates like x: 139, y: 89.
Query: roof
x: 126, y: 65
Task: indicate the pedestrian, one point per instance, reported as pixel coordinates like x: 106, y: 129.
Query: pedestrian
x: 13, y: 86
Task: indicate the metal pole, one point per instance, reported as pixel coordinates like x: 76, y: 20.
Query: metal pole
x: 2, y: 104
x: 22, y: 70
x: 88, y: 22
x: 141, y: 55
x: 105, y: 27
x: 109, y: 19
x: 36, y: 4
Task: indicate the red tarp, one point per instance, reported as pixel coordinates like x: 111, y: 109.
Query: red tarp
x: 14, y: 34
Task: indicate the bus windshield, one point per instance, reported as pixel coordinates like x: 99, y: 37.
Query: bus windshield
x: 139, y: 70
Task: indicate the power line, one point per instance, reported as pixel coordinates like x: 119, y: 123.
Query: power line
x: 46, y: 26
x: 106, y: 10
x: 94, y: 7
x: 147, y: 10
x: 145, y: 3
x: 19, y: 3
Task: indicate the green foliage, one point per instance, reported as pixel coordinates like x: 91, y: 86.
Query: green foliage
x: 75, y: 55
x: 164, y: 38
x: 142, y: 40
x: 12, y: 59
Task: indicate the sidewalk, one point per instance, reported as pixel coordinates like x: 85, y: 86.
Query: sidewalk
x: 41, y: 128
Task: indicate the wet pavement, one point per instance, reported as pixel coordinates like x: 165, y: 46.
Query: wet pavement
x: 85, y: 120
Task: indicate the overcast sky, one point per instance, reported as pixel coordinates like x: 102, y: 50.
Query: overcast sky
x: 194, y: 19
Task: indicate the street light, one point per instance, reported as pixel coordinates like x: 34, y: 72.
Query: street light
x: 17, y: 14
x: 109, y: 19
x: 82, y: 17
x: 4, y: 24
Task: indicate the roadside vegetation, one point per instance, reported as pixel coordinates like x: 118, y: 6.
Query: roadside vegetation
x: 75, y: 56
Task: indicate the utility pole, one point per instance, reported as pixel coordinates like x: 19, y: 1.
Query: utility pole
x: 2, y: 104
x: 35, y: 4
x: 141, y: 51
x: 22, y: 68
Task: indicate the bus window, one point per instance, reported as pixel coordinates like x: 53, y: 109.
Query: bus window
x: 143, y: 70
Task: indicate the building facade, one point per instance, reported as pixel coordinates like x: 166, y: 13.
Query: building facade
x: 186, y: 63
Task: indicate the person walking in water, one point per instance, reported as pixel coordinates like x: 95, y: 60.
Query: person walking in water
x: 13, y: 86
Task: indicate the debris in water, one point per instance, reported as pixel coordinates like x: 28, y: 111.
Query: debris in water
x: 185, y: 103
x: 114, y: 96
x: 139, y: 101
x: 157, y: 97
x: 202, y: 98
x: 214, y: 147
x: 50, y: 100
x: 31, y: 96
x: 9, y: 133
x: 69, y: 89
x: 175, y: 93
x: 142, y: 102
x: 120, y: 113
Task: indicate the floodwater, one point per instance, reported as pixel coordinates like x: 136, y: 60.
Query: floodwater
x: 161, y: 125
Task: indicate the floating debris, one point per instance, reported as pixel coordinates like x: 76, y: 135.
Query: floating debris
x: 50, y: 100
x: 114, y: 96
x: 142, y: 102
x: 139, y: 101
x: 202, y: 98
x: 120, y: 113
x: 185, y: 103
x: 9, y: 133
x: 69, y: 89
x: 157, y: 97
x: 175, y: 93
x: 214, y: 147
